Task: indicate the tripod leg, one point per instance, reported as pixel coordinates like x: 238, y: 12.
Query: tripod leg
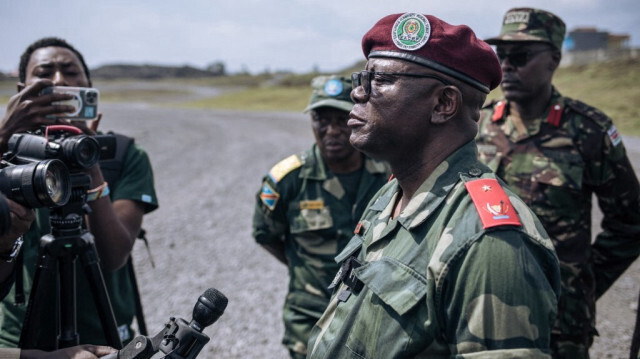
x: 68, y: 323
x: 90, y: 262
x: 45, y: 275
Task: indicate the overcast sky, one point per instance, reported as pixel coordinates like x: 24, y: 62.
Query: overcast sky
x: 259, y: 35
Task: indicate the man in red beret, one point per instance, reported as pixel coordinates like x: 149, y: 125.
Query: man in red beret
x: 444, y: 262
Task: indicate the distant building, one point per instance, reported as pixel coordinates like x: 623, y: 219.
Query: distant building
x: 588, y: 44
x: 590, y: 38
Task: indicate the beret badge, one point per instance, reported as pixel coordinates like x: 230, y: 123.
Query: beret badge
x: 411, y: 31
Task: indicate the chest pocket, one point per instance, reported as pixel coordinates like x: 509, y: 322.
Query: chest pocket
x: 310, y: 216
x: 558, y: 170
x: 396, y: 284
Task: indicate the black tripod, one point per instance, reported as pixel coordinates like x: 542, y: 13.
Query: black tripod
x: 58, y: 251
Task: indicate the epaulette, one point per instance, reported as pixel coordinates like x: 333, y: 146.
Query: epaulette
x: 498, y: 110
x: 284, y: 167
x: 589, y: 112
x: 596, y: 116
x: 492, y: 203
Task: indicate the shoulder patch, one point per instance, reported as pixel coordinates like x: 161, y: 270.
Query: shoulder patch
x: 492, y: 203
x: 269, y: 196
x: 284, y: 167
x: 614, y: 136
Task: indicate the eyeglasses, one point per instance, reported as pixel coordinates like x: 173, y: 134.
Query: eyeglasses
x: 519, y: 58
x: 363, y: 78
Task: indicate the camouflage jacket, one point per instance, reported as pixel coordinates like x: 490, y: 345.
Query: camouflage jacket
x: 567, y: 155
x: 434, y: 283
x: 305, y: 205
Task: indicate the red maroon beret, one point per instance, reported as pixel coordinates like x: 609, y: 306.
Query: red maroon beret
x: 431, y: 42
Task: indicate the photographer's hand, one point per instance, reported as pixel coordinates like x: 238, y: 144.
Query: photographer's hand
x: 27, y: 110
x: 78, y: 352
x: 21, y: 219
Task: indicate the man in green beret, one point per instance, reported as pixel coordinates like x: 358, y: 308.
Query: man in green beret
x: 309, y: 205
x: 555, y: 153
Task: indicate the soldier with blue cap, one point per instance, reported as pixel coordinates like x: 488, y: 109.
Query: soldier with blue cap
x: 309, y: 205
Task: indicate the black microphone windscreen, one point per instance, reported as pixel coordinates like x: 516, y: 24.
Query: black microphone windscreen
x: 209, y: 307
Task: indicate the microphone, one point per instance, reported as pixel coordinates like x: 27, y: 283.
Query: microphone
x: 208, y: 309
x: 179, y: 339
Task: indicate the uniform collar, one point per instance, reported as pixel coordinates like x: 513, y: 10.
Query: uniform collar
x: 434, y: 190
x: 501, y: 114
x: 313, y: 166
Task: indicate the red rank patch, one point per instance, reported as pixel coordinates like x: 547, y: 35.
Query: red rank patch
x: 492, y: 203
x: 358, y: 228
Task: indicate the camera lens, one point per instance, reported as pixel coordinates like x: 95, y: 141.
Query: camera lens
x: 38, y: 184
x: 81, y: 151
x: 53, y: 184
x: 5, y: 216
x: 91, y: 97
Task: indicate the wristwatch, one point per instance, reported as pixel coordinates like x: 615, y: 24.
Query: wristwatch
x: 14, y: 251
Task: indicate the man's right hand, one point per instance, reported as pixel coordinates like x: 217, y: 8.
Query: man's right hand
x: 27, y: 110
x: 21, y: 218
x: 78, y: 352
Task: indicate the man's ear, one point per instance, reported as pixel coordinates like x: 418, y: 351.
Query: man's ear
x: 20, y: 86
x: 449, y: 102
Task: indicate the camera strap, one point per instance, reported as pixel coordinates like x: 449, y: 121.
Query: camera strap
x: 19, y: 292
x: 112, y: 168
x: 111, y: 172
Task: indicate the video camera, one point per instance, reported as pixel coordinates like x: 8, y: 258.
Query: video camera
x: 37, y: 170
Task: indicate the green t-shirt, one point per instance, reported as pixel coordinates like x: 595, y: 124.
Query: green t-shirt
x: 135, y: 183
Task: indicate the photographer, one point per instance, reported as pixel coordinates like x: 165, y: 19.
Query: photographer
x: 116, y: 208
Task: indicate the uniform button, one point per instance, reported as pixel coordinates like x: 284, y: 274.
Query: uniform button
x: 475, y: 172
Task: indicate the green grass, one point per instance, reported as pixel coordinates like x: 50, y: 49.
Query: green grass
x: 143, y: 95
x: 268, y: 98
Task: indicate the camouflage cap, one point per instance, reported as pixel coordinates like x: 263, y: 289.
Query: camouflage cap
x: 528, y: 24
x: 332, y: 91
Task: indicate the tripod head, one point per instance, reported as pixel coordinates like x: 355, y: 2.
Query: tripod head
x: 179, y: 339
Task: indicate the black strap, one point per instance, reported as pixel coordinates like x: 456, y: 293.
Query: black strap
x: 19, y: 293
x: 112, y: 168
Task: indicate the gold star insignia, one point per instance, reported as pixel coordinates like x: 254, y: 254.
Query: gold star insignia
x: 486, y: 188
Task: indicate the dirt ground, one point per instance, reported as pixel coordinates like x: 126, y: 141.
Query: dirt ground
x: 208, y: 166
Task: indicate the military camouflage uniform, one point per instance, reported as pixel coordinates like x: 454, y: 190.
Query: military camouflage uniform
x: 432, y: 283
x: 303, y: 204
x: 570, y: 153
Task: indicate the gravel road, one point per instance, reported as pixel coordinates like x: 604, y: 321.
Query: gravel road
x: 208, y: 166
